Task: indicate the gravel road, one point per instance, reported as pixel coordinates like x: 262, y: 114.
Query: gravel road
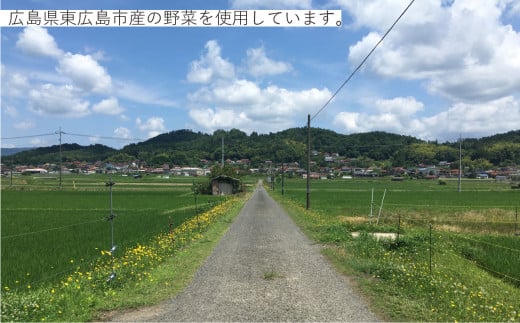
x: 263, y: 269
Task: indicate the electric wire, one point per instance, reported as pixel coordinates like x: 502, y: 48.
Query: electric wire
x: 51, y: 229
x: 434, y: 221
x: 101, y: 137
x: 489, y: 243
x: 453, y: 253
x: 74, y: 135
x: 363, y: 61
x: 29, y: 136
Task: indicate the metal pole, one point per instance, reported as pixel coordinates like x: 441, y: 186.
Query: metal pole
x: 111, y: 219
x: 222, y: 165
x: 283, y: 180
x: 308, y: 161
x: 516, y: 221
x: 460, y: 163
x: 398, y: 227
x: 195, y: 193
x: 381, y: 206
x: 61, y: 159
x: 430, y: 249
x: 273, y: 176
x: 12, y: 169
x: 372, y: 206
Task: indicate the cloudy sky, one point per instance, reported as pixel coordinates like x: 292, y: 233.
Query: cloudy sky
x: 448, y: 68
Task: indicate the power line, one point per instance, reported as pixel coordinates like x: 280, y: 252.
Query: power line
x: 102, y: 137
x: 363, y: 61
x: 29, y: 136
x: 51, y: 229
x: 72, y: 134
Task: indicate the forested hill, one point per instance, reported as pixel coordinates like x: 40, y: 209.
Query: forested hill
x: 70, y: 152
x: 185, y: 147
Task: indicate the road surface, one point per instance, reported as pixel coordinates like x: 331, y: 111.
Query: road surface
x: 263, y: 269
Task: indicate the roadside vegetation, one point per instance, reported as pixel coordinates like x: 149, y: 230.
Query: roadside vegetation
x: 454, y: 256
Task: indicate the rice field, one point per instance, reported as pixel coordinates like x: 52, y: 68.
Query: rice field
x: 456, y: 256
x: 47, y: 232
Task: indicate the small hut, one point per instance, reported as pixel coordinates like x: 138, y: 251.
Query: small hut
x: 225, y: 185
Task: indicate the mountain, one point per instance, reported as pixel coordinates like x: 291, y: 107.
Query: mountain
x: 12, y: 151
x: 185, y: 147
x: 69, y: 152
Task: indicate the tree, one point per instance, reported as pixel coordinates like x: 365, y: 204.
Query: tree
x: 227, y: 170
x: 160, y: 159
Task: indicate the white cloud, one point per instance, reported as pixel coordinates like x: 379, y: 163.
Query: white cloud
x: 271, y: 4
x: 23, y: 125
x: 212, y: 119
x: 94, y: 139
x: 16, y: 85
x: 469, y: 119
x: 153, y: 126
x: 239, y: 92
x: 38, y: 142
x: 243, y: 104
x: 432, y: 42
x: 210, y: 66
x: 258, y: 64
x: 85, y: 72
x: 399, y: 106
x: 231, y: 102
x: 58, y: 100
x: 108, y: 106
x: 138, y: 93
x: 122, y: 132
x: 476, y: 120
x: 515, y: 9
x: 37, y: 41
x: 9, y: 110
x: 361, y: 122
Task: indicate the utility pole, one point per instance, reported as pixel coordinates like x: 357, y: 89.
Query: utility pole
x: 12, y: 170
x: 283, y: 171
x: 222, y: 165
x: 460, y: 163
x: 111, y: 219
x: 60, y: 164
x: 308, y: 161
x: 273, y: 176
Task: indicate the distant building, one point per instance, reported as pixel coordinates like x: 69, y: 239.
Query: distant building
x: 35, y: 171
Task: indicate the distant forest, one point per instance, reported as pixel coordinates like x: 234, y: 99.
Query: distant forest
x: 188, y: 148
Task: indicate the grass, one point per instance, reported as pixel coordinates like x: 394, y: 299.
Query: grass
x: 271, y: 275
x: 473, y: 271
x: 148, y: 252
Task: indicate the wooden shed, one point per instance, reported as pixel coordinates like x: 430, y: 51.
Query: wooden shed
x: 225, y: 185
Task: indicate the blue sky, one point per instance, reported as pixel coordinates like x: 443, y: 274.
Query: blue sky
x: 449, y: 68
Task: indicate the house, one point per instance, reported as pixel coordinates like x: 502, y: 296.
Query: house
x: 225, y: 185
x: 34, y: 171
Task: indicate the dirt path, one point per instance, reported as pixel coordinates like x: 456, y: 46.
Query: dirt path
x: 263, y: 269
